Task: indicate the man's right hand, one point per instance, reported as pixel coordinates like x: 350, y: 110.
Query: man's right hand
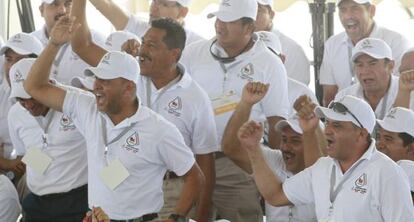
x: 16, y: 165
x: 253, y: 92
x: 250, y: 135
x: 131, y: 47
x: 63, y: 30
x: 406, y: 82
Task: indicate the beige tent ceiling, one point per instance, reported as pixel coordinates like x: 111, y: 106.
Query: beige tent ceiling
x: 279, y: 5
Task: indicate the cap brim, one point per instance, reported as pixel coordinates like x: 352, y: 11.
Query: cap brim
x: 100, y: 73
x: 223, y: 16
x: 15, y: 49
x: 323, y: 112
x: 284, y: 123
x: 82, y: 83
x: 373, y: 55
x: 389, y: 126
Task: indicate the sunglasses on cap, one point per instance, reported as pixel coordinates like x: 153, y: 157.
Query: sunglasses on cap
x: 341, y: 108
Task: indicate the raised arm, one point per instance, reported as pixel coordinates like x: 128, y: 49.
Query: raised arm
x: 253, y: 92
x: 267, y: 182
x: 81, y: 41
x: 37, y: 83
x: 405, y: 87
x: 112, y: 12
x: 309, y: 122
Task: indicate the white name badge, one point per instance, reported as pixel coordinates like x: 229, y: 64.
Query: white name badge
x: 37, y: 160
x: 225, y: 103
x: 114, y: 174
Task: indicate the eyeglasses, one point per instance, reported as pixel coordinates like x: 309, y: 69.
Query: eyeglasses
x: 341, y: 108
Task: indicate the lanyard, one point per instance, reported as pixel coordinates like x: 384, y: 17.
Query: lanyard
x: 59, y: 58
x: 163, y: 90
x: 46, y: 129
x: 114, y: 139
x: 351, y: 64
x: 333, y: 193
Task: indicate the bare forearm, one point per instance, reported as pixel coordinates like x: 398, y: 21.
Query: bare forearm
x: 311, y: 148
x: 230, y: 143
x: 112, y: 12
x: 266, y: 181
x: 206, y: 163
x: 403, y: 99
x: 193, y: 181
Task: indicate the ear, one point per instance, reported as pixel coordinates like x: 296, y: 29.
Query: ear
x: 391, y: 65
x: 271, y: 13
x: 410, y: 150
x: 372, y: 10
x: 176, y: 53
x: 182, y: 13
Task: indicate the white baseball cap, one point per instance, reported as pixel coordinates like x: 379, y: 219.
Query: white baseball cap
x: 48, y: 1
x: 80, y: 82
x: 116, y: 39
x: 271, y: 40
x: 292, y: 121
x: 357, y: 1
x: 116, y: 65
x: 266, y: 2
x: 350, y: 109
x: 23, y: 44
x: 408, y: 167
x: 398, y: 120
x: 184, y: 3
x: 18, y: 73
x: 232, y: 10
x: 373, y: 47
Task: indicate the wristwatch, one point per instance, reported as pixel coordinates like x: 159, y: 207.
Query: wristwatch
x: 177, y: 218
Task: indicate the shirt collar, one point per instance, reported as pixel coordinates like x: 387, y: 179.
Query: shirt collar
x: 140, y: 115
x: 366, y: 156
x: 217, y: 49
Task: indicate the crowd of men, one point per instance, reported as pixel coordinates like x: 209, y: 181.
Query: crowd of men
x: 156, y: 123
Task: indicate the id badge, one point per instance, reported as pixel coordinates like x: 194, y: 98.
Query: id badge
x: 114, y: 174
x: 37, y: 160
x: 225, y: 103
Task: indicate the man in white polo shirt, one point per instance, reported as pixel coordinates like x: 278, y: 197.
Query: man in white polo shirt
x: 395, y: 138
x: 223, y: 65
x: 129, y: 146
x: 355, y: 183
x: 166, y: 88
x: 67, y: 64
x: 17, y: 47
x: 374, y: 64
x: 296, y: 63
x: 54, y: 153
x: 291, y: 157
x: 406, y: 81
x: 357, y: 17
x: 9, y: 200
x: 174, y: 9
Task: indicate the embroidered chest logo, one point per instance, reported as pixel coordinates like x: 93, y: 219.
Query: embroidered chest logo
x: 66, y: 123
x: 175, y: 106
x: 132, y: 142
x: 247, y: 72
x: 360, y: 184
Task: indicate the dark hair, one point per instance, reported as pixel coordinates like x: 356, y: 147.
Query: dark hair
x: 175, y: 35
x: 406, y: 138
x: 247, y: 20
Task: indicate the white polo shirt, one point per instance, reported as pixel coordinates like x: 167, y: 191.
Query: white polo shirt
x: 185, y: 105
x: 5, y: 105
x: 1, y: 61
x: 376, y: 189
x: 297, y: 89
x: 296, y: 63
x: 336, y: 66
x: 385, y: 104
x: 147, y: 150
x: 67, y: 63
x: 408, y: 167
x: 139, y: 27
x: 9, y: 200
x: 303, y: 213
x: 257, y: 64
x: 66, y: 147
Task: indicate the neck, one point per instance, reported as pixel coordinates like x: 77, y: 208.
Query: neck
x: 238, y: 49
x: 127, y: 111
x: 162, y: 80
x: 347, y: 163
x: 45, y: 112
